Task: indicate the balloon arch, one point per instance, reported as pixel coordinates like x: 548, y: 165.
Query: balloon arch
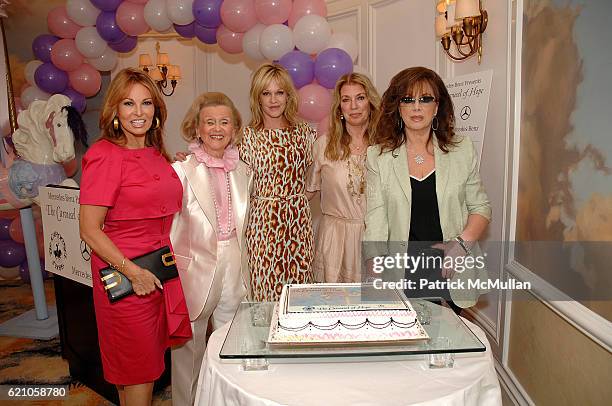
x: 87, y: 35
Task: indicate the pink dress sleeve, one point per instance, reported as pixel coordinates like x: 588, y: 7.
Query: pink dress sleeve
x: 101, y: 178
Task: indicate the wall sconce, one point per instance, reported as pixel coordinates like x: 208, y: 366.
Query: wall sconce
x: 162, y: 72
x: 464, y: 21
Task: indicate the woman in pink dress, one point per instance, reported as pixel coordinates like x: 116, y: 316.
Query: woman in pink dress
x: 129, y: 193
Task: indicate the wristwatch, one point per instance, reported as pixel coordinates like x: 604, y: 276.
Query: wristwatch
x: 463, y: 244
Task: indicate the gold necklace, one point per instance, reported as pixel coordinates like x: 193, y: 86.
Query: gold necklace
x: 356, y: 176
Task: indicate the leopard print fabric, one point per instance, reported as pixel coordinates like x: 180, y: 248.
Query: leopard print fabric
x: 279, y: 234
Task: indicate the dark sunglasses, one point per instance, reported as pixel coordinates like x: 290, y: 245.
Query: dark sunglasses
x: 412, y: 100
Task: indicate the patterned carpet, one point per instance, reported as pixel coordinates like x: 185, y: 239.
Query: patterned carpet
x: 25, y: 361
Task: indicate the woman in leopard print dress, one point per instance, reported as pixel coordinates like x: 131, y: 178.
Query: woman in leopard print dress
x: 278, y: 150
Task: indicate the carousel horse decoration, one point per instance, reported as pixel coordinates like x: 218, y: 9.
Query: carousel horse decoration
x: 43, y: 141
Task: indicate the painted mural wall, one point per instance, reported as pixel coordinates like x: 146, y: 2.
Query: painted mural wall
x: 564, y: 222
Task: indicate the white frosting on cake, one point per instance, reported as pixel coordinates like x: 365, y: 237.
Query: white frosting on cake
x: 337, y: 313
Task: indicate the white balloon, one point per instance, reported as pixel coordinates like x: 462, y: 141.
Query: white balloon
x: 82, y: 12
x: 180, y: 11
x: 250, y: 42
x: 29, y: 71
x: 156, y: 15
x: 89, y: 43
x: 312, y: 33
x: 346, y: 42
x: 275, y: 41
x: 32, y: 93
x: 106, y: 61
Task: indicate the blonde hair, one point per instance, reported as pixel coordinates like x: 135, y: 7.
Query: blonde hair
x: 191, y: 121
x: 338, y: 138
x: 261, y: 79
x: 118, y: 90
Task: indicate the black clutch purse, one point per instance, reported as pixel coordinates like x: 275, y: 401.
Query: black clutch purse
x: 160, y: 263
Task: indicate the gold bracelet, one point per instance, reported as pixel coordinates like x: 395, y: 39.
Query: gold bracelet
x: 120, y: 268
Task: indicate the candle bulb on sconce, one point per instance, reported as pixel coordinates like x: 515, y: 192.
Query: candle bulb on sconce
x: 461, y: 22
x: 166, y: 76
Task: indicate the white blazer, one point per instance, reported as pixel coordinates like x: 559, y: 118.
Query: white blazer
x: 194, y: 229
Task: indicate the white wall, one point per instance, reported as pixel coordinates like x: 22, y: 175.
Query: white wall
x: 203, y: 68
x: 494, y: 155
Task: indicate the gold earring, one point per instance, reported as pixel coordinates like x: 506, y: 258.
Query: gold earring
x: 157, y: 123
x: 116, y: 124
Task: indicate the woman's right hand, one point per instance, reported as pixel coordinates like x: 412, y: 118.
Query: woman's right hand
x: 181, y: 156
x: 143, y: 281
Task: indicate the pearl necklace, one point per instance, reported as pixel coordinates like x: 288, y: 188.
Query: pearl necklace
x: 229, y: 207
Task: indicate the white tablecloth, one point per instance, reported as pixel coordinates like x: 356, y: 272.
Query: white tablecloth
x: 472, y: 381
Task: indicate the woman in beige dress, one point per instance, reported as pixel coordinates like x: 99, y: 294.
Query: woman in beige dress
x: 339, y: 173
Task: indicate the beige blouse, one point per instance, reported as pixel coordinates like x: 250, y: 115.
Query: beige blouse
x: 343, y: 203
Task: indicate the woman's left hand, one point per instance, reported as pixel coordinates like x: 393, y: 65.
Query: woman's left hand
x: 181, y: 156
x: 453, y: 250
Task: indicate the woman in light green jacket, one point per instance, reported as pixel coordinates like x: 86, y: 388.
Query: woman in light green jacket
x: 425, y: 197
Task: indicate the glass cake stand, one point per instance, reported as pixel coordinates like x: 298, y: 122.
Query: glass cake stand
x: 248, y: 335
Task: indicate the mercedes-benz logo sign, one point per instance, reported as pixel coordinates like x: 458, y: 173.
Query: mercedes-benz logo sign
x: 85, y: 251
x: 466, y: 112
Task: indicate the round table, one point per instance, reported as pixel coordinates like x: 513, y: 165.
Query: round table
x: 386, y: 381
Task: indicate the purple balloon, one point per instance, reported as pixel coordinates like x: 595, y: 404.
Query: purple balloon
x: 24, y: 271
x: 11, y: 253
x: 77, y: 99
x: 106, y: 5
x: 206, y: 35
x: 207, y: 13
x: 330, y: 64
x: 125, y: 45
x: 41, y: 46
x: 300, y: 67
x: 4, y: 229
x: 50, y: 79
x: 106, y: 25
x: 186, y: 31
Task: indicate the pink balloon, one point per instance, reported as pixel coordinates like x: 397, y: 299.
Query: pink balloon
x: 138, y: 1
x: 60, y: 24
x: 272, y: 11
x: 314, y: 102
x: 304, y: 7
x: 16, y: 231
x: 65, y: 55
x: 130, y: 18
x: 238, y: 15
x: 229, y: 41
x: 85, y: 80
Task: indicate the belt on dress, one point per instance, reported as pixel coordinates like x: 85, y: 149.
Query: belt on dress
x: 345, y: 220
x: 279, y: 198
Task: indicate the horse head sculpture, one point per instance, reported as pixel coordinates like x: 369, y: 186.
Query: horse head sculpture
x: 43, y: 141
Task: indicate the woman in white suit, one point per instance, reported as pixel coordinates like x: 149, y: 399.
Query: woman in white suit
x: 208, y: 233
x: 425, y: 196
